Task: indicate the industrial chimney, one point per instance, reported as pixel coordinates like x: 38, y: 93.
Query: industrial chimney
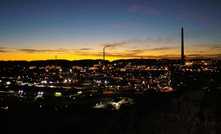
x: 103, y: 57
x: 182, y: 48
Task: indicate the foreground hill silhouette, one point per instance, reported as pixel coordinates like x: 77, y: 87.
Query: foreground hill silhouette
x: 195, y: 112
x: 86, y: 62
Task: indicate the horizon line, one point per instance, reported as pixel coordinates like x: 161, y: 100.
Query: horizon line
x: 117, y: 59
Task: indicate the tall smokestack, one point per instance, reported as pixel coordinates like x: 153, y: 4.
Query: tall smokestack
x: 103, y: 57
x: 182, y: 48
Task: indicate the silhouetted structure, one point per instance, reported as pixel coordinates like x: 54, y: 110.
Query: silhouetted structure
x: 182, y: 48
x: 103, y: 57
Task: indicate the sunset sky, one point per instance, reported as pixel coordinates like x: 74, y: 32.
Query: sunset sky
x: 80, y: 29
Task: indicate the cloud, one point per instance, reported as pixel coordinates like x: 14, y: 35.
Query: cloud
x: 169, y: 39
x: 29, y: 50
x: 156, y: 41
x: 113, y: 45
x: 2, y: 50
x: 156, y: 53
x: 124, y: 25
x: 160, y: 56
x: 137, y: 51
x: 188, y: 11
x: 214, y: 46
x: 204, y: 56
x: 146, y: 50
x: 139, y: 41
x: 169, y: 56
x: 134, y: 8
x: 85, y: 49
x: 152, y: 11
x: 162, y: 48
x: 196, y: 51
x: 196, y: 56
x: 200, y: 51
x: 208, y: 46
x: 196, y: 33
x: 215, y: 56
x: 59, y: 50
x: 142, y: 9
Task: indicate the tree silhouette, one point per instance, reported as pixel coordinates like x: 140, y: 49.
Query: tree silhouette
x: 190, y: 113
x: 185, y: 116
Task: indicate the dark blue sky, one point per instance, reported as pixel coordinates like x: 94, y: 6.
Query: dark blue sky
x: 79, y: 29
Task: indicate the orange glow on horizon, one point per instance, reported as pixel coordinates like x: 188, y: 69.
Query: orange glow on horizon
x: 44, y: 56
x: 50, y: 56
x: 67, y: 56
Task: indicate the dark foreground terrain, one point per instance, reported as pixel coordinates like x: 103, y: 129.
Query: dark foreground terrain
x: 193, y: 112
